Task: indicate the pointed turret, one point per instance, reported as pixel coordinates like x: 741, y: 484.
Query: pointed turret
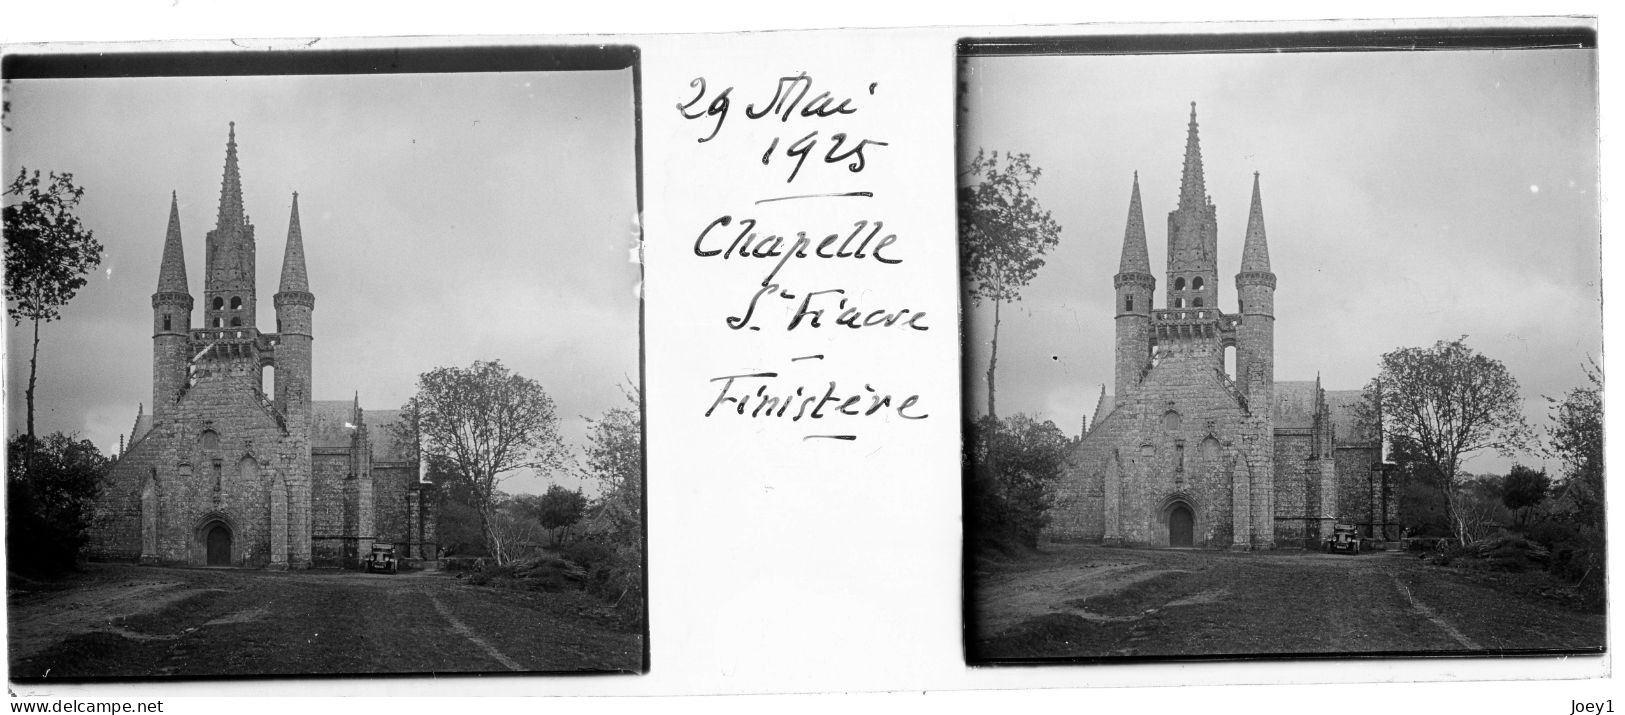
x: 294, y: 304
x: 171, y: 319
x: 1255, y: 253
x: 1134, y: 284
x: 293, y: 258
x: 172, y: 271
x: 1255, y: 287
x: 1135, y: 257
x: 1192, y: 189
x: 231, y: 186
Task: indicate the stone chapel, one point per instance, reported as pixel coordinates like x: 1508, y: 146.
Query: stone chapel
x: 220, y: 473
x: 1185, y: 453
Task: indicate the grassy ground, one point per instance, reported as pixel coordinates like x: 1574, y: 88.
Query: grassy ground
x: 1082, y: 601
x: 128, y: 621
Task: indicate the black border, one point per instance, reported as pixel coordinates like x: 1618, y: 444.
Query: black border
x: 1579, y: 34
x: 252, y: 61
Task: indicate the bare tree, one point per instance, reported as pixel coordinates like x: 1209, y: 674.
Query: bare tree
x: 1003, y: 236
x: 1446, y: 402
x: 486, y: 423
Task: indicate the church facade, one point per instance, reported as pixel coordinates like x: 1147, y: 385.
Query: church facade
x: 1186, y: 452
x: 221, y: 473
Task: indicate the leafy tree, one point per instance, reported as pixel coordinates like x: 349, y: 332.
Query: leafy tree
x: 558, y: 509
x: 48, y: 254
x: 612, y: 545
x: 1014, y: 464
x: 1443, y: 403
x: 1523, y: 489
x: 1575, y: 438
x: 485, y: 422
x: 615, y: 460
x: 49, y: 500
x: 1003, y: 236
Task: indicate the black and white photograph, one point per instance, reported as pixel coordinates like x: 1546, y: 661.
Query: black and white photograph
x: 324, y: 363
x: 1344, y: 400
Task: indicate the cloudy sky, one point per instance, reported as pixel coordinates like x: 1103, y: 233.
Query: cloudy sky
x: 1409, y: 197
x: 447, y: 218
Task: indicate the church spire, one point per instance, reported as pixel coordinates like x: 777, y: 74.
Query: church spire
x: 1135, y: 257
x: 1255, y: 252
x: 293, y: 259
x: 1192, y: 189
x: 231, y: 187
x: 172, y: 271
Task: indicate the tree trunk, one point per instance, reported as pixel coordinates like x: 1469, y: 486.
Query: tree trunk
x: 492, y: 542
x: 33, y: 374
x: 993, y: 362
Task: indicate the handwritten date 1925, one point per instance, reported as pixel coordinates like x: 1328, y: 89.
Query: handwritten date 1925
x: 789, y: 100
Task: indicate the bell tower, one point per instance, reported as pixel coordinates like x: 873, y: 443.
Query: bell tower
x: 1193, y: 235
x: 228, y: 283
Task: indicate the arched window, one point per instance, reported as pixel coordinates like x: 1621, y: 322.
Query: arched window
x: 1196, y: 283
x: 218, y: 303
x: 236, y: 322
x: 1179, y: 302
x: 1179, y: 284
x: 209, y: 440
x: 1179, y: 456
x: 1128, y: 304
x: 1210, y: 449
x: 216, y: 322
x: 1197, y: 303
x: 237, y: 302
x: 1170, y: 420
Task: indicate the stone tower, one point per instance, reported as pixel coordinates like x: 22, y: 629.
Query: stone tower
x: 1190, y: 322
x: 1193, y: 234
x: 1135, y: 286
x: 228, y: 283
x: 294, y: 304
x: 1255, y: 288
x: 171, y: 321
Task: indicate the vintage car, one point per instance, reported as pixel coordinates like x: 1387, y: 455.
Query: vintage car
x: 382, y: 558
x: 1344, y: 539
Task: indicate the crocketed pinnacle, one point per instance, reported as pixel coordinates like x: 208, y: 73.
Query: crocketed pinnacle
x: 172, y: 271
x: 1192, y: 189
x: 1135, y: 257
x: 231, y: 188
x: 294, y: 278
x: 1255, y: 252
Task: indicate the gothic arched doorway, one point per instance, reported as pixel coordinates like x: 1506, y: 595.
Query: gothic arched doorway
x: 1181, y: 523
x: 217, y: 539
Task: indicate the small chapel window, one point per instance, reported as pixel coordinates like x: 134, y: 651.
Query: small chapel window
x: 1196, y: 283
x: 218, y: 302
x: 1170, y: 420
x: 1179, y: 284
x: 236, y: 302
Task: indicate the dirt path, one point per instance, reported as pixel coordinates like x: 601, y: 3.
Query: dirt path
x: 123, y: 621
x: 1078, y: 601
